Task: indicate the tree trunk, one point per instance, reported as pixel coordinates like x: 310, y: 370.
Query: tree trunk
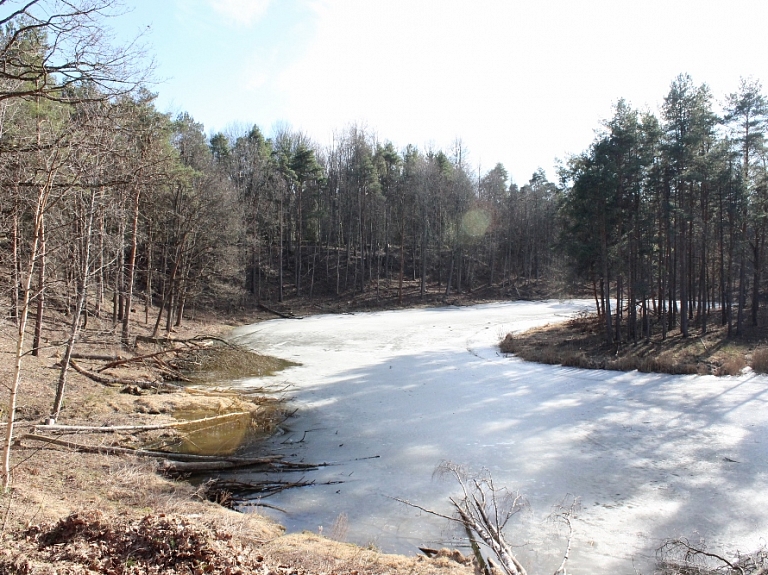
x: 130, y: 272
x: 42, y: 199
x: 280, y: 253
x: 607, y: 283
x: 40, y: 293
x: 757, y: 273
x: 423, y: 290
x: 82, y: 285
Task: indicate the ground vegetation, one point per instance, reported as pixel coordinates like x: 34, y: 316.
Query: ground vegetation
x: 580, y: 342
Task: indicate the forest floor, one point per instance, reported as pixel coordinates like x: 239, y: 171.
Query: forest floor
x: 580, y: 342
x: 75, y: 512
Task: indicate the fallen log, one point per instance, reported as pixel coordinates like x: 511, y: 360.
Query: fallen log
x: 138, y: 428
x: 173, y: 466
x: 277, y: 465
x: 165, y: 340
x: 96, y: 357
x: 118, y: 381
x: 159, y: 386
x: 111, y: 382
x: 123, y: 361
x: 207, y: 338
x: 278, y: 313
x: 157, y: 340
x: 179, y: 457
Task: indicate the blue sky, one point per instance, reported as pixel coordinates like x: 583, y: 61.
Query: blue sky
x: 520, y: 82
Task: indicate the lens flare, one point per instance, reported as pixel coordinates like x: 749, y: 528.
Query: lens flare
x: 475, y: 223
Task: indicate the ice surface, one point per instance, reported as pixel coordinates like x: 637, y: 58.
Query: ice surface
x: 389, y: 395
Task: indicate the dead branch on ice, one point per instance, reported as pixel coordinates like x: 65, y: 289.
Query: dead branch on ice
x: 485, y: 509
x: 680, y: 556
x: 563, y: 513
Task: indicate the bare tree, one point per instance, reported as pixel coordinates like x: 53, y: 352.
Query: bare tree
x: 41, y: 203
x: 54, y: 51
x: 50, y: 46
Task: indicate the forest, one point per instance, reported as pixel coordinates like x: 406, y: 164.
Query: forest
x: 112, y: 209
x: 109, y: 205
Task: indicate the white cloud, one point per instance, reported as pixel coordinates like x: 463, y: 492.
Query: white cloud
x: 425, y: 73
x: 519, y: 82
x: 243, y: 12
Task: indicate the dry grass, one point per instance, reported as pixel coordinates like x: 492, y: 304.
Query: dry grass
x: 320, y: 555
x: 223, y: 363
x: 732, y: 364
x: 760, y: 360
x: 580, y: 343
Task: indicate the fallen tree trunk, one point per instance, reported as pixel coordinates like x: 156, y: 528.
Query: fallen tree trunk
x: 173, y: 466
x: 278, y: 313
x: 118, y: 381
x: 133, y: 428
x: 180, y: 457
x: 157, y: 340
x: 122, y: 361
x: 164, y: 340
x: 111, y: 382
x: 183, y: 462
x: 96, y: 357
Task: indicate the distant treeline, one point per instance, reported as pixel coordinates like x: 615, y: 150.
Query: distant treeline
x: 107, y: 203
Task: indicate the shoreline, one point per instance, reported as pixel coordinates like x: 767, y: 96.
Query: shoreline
x: 580, y: 343
x: 54, y: 488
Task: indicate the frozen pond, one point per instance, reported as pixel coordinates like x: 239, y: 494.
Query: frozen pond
x: 389, y: 395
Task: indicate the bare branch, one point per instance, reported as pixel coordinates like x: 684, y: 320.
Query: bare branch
x: 425, y: 510
x: 690, y: 553
x: 563, y: 513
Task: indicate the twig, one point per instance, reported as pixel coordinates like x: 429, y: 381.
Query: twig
x: 425, y: 510
x: 261, y: 504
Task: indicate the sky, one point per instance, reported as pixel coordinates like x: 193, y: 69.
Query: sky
x: 524, y: 83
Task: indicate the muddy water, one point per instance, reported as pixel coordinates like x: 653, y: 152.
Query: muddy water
x: 219, y: 438
x: 386, y: 397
